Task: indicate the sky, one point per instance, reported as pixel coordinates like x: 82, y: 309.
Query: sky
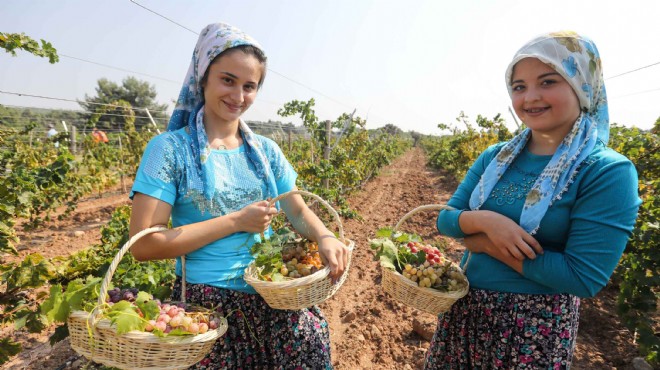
x: 411, y: 63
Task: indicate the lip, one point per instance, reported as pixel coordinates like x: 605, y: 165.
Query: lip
x: 536, y: 111
x: 233, y: 107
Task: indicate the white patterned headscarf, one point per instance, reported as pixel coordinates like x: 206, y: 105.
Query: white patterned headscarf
x: 189, y: 111
x: 575, y: 58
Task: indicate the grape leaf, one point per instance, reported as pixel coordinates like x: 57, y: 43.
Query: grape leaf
x: 124, y: 315
x: 51, y: 305
x: 179, y: 331
x: 147, y: 305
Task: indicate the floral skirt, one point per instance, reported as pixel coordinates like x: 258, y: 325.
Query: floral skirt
x: 258, y: 336
x: 495, y: 330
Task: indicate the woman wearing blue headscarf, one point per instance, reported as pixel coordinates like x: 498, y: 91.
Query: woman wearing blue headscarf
x: 546, y: 217
x: 212, y: 176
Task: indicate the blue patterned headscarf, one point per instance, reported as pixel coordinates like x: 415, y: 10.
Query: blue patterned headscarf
x: 575, y: 58
x: 189, y: 111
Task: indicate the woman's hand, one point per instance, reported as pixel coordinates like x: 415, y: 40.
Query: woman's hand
x: 255, y: 218
x: 508, y: 236
x: 334, y: 255
x: 504, y: 234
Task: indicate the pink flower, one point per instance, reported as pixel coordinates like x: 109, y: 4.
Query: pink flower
x: 565, y: 334
x: 525, y: 359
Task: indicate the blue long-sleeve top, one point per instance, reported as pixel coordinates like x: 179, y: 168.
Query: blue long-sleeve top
x: 583, y: 234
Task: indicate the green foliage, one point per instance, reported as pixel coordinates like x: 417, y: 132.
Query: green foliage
x: 36, y: 181
x: 12, y: 41
x: 104, y: 162
x: 639, y: 270
x: 8, y: 348
x: 354, y: 158
x: 456, y: 152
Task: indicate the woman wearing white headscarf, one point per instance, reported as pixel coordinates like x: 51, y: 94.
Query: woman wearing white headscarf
x: 212, y: 176
x: 546, y: 216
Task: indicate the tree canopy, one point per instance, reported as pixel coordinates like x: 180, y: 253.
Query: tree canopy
x: 139, y: 94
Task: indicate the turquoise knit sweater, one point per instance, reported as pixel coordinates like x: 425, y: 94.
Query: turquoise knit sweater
x: 583, y: 234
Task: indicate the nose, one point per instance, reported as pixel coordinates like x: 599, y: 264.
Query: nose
x: 237, y: 94
x: 532, y: 94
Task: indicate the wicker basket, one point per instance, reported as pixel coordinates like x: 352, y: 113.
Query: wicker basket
x: 99, y: 342
x: 408, y: 292
x: 299, y: 293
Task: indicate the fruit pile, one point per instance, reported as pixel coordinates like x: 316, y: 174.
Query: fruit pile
x: 436, y: 272
x: 301, y: 260
x: 419, y: 262
x: 130, y: 309
x: 285, y: 256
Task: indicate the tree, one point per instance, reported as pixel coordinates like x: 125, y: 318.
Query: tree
x: 139, y: 94
x: 12, y: 41
x: 391, y: 129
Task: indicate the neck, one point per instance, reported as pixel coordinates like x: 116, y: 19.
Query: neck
x: 542, y: 144
x: 222, y: 134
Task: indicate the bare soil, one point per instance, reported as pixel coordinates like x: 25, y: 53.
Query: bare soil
x: 369, y: 330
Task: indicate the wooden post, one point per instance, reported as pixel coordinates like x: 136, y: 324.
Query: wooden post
x: 121, y: 160
x: 326, y: 149
x: 289, y: 134
x: 72, y: 144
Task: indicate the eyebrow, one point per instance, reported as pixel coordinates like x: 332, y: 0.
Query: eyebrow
x: 230, y: 74
x: 540, y: 77
x: 235, y: 77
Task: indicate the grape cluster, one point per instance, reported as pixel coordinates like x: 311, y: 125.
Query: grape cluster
x: 301, y: 260
x: 175, y: 317
x: 436, y: 272
x: 128, y: 294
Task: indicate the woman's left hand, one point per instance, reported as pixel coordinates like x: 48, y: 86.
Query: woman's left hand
x: 334, y: 255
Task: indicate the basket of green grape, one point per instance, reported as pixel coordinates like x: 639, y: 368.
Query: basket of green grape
x: 416, y: 273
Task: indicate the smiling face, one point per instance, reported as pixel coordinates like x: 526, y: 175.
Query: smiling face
x: 230, y: 86
x: 543, y: 99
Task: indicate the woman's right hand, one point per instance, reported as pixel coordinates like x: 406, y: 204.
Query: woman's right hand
x: 256, y: 217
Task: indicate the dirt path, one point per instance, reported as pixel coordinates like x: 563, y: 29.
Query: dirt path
x: 368, y: 329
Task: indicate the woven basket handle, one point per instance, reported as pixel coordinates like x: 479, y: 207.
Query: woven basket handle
x: 431, y: 207
x: 428, y: 207
x: 320, y: 200
x: 115, y: 262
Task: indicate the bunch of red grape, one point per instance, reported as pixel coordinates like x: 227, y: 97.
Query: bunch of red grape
x: 175, y: 317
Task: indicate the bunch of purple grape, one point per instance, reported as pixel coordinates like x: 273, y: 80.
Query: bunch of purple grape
x: 128, y: 294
